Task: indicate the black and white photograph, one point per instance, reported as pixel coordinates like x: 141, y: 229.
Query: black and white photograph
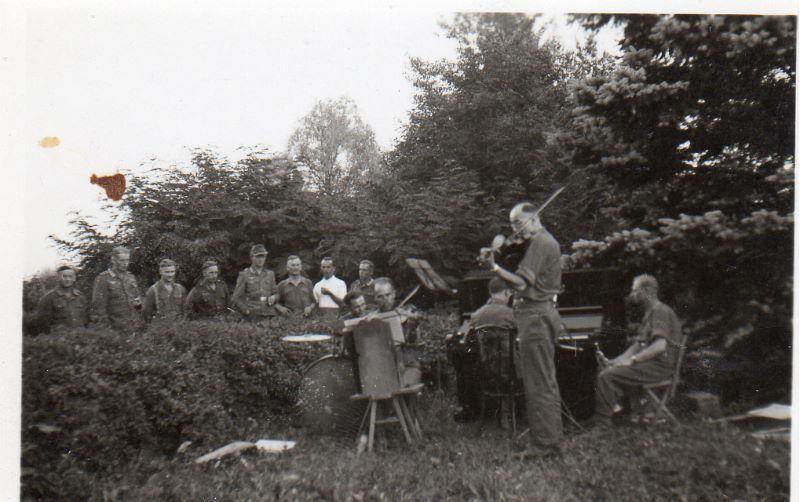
x: 396, y: 251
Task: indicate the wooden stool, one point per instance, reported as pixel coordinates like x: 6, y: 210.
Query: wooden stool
x: 402, y: 414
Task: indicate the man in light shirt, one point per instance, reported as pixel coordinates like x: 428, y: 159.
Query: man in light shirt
x: 330, y: 291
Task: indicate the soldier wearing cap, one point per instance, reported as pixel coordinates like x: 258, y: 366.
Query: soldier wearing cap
x: 63, y: 305
x: 115, y: 295
x: 209, y: 298
x: 256, y: 292
x: 164, y: 299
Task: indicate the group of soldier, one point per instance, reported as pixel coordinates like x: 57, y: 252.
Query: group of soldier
x: 534, y: 284
x: 116, y: 301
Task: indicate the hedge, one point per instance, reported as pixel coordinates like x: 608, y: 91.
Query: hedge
x: 109, y: 397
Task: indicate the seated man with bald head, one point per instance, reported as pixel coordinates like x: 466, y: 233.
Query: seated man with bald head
x: 652, y: 356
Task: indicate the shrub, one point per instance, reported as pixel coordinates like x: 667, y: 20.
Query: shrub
x: 113, y: 396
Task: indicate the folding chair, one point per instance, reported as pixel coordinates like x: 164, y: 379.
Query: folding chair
x: 666, y: 388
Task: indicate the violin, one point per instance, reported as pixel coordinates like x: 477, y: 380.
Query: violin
x: 500, y: 244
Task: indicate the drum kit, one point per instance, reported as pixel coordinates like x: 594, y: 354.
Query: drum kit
x: 325, y: 389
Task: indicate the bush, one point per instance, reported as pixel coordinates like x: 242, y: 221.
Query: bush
x: 112, y: 397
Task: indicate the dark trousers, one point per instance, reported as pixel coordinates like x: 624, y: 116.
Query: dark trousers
x: 611, y: 382
x: 537, y: 328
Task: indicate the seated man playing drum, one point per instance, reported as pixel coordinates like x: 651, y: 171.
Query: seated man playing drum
x: 463, y: 350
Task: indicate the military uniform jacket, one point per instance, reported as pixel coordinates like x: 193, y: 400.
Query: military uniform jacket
x: 203, y: 301
x: 253, y: 290
x: 62, y: 307
x: 295, y: 296
x: 115, y: 299
x: 162, y: 303
x: 365, y: 289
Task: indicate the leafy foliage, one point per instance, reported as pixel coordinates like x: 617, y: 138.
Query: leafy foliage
x: 188, y: 381
x: 336, y: 146
x: 211, y: 208
x: 699, y: 115
x: 481, y: 137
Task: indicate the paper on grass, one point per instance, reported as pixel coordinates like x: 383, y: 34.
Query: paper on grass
x: 774, y: 411
x: 268, y: 445
x: 274, y: 445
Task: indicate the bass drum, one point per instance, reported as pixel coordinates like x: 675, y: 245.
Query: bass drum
x: 324, y: 397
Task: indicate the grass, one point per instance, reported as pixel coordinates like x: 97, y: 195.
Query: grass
x: 699, y: 461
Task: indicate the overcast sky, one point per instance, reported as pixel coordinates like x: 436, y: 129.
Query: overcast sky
x: 121, y: 86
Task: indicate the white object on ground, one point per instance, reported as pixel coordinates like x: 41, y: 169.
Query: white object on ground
x: 774, y: 411
x: 47, y: 429
x: 306, y: 338
x: 234, y: 447
x: 183, y: 446
x: 274, y: 445
x: 268, y: 445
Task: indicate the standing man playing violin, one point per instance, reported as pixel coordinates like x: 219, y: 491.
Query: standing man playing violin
x: 536, y: 282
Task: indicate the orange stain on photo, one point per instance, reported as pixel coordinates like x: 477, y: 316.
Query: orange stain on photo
x: 114, y: 185
x: 49, y: 142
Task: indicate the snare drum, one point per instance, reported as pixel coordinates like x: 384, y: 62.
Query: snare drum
x: 324, y: 397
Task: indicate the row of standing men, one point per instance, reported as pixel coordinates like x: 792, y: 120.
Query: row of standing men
x: 116, y: 301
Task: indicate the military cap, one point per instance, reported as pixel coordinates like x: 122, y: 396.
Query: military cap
x: 64, y: 267
x: 166, y: 262
x: 209, y: 264
x: 258, y: 249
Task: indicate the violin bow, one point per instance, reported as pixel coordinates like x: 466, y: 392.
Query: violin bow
x: 413, y: 292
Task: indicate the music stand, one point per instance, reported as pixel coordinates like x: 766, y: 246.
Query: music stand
x: 429, y: 277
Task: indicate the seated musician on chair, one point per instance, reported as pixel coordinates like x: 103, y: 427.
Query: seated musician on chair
x: 409, y: 318
x: 463, y: 352
x: 652, y: 356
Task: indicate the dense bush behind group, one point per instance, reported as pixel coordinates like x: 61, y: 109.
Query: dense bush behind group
x: 112, y: 396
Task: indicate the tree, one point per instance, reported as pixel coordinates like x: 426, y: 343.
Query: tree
x: 211, y: 208
x: 336, y: 146
x: 480, y: 138
x: 698, y: 116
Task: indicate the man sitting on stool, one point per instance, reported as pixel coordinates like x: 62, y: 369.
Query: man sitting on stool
x: 463, y: 351
x: 652, y: 356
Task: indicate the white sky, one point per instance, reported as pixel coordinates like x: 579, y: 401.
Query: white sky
x: 121, y: 86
